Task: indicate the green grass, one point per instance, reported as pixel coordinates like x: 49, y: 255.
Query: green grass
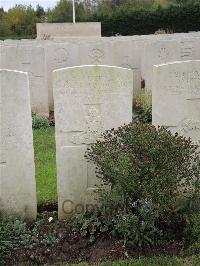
x: 45, y: 164
x: 157, y: 261
x: 154, y: 261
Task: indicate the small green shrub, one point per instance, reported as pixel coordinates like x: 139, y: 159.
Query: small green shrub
x: 152, y: 177
x: 143, y: 106
x: 132, y: 222
x: 5, y: 250
x: 10, y: 229
x: 193, y: 232
x: 50, y: 240
x: 138, y: 226
x: 16, y: 232
x: 100, y: 220
x: 39, y: 121
x: 193, y: 249
x: 143, y: 162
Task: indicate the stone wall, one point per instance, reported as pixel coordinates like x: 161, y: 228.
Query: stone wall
x: 52, y: 31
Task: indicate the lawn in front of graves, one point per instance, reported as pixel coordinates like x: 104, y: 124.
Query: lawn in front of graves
x: 45, y: 165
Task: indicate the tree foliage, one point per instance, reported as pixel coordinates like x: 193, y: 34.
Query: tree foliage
x: 125, y: 17
x: 19, y: 20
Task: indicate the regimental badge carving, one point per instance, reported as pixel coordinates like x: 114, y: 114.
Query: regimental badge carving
x: 93, y: 127
x: 61, y: 55
x: 96, y: 55
x: 190, y: 128
x: 163, y: 53
x: 46, y: 37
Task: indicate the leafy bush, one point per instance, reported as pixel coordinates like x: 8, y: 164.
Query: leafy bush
x: 16, y: 232
x: 193, y: 249
x: 195, y: 227
x: 9, y: 229
x: 194, y: 234
x: 151, y: 175
x: 5, y: 250
x: 50, y: 240
x: 143, y: 106
x: 143, y: 162
x: 39, y: 121
x: 134, y: 223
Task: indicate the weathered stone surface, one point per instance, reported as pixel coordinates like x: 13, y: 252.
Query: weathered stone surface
x: 190, y: 128
x: 176, y: 95
x: 139, y: 53
x: 63, y: 30
x: 30, y: 59
x: 88, y: 100
x: 165, y: 51
x: 17, y: 171
x: 117, y: 52
x: 59, y: 55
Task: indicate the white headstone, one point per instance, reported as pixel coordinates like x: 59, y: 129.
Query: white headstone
x: 17, y: 171
x: 59, y: 55
x: 30, y: 59
x: 113, y: 52
x: 164, y: 51
x: 189, y: 128
x: 176, y: 96
x: 88, y: 100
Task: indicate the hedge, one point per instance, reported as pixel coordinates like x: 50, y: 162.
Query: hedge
x: 142, y: 21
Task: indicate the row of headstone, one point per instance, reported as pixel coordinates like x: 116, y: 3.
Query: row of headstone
x: 40, y: 57
x: 119, y: 54
x: 162, y: 52
x: 29, y: 59
x: 88, y: 100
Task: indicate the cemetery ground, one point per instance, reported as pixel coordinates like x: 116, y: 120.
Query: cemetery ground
x: 49, y: 241
x: 147, y: 211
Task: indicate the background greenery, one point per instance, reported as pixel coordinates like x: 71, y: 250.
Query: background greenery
x: 125, y: 17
